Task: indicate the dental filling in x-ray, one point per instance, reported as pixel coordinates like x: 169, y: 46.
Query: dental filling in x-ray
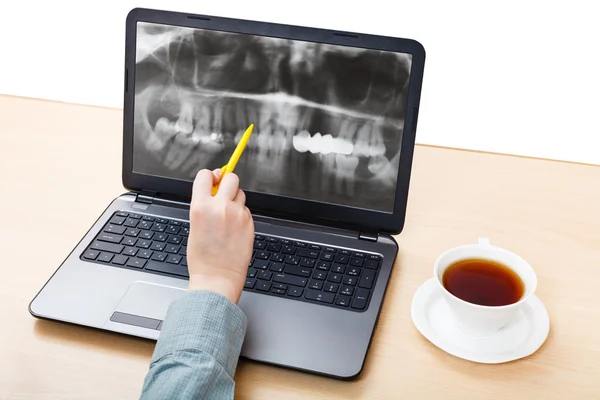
x: 328, y: 119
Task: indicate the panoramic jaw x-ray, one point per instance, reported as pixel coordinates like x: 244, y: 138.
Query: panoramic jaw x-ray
x: 328, y: 119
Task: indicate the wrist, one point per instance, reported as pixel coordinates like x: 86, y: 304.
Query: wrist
x: 217, y: 284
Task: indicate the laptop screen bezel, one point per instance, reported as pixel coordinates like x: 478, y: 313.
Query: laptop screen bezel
x: 331, y: 214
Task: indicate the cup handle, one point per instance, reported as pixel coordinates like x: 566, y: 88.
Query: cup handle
x: 483, y: 241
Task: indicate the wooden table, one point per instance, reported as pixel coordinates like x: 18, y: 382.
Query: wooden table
x: 548, y: 212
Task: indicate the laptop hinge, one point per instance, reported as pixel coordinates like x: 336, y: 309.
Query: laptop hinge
x: 145, y: 197
x: 371, y: 237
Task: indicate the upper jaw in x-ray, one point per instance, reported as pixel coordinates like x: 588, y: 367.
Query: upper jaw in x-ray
x: 323, y: 146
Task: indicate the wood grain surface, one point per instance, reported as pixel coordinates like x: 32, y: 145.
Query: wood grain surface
x: 61, y: 166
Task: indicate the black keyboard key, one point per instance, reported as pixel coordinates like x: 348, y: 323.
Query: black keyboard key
x: 367, y: 279
x: 110, y: 237
x: 349, y: 280
x: 146, y: 235
x: 145, y: 225
x: 307, y: 262
x: 162, y: 220
x: 185, y: 231
x: 148, y: 218
x: 323, y: 266
x: 347, y: 290
x: 272, y: 239
x: 331, y: 287
x: 354, y: 271
x: 161, y: 237
x: 294, y: 260
x: 300, y: 271
x: 280, y: 286
x: 345, y: 252
x: 263, y: 255
x: 319, y: 296
x: 327, y: 256
x: 158, y: 246
x: 130, y: 251
x: 176, y: 223
x: 131, y: 223
x: 307, y: 253
x: 274, y: 247
x: 172, y: 269
x: 279, y: 258
x: 276, y: 267
x: 265, y: 275
x: 172, y: 229
x: 159, y: 256
x: 259, y: 237
x: 129, y: 241
x: 185, y: 224
x: 337, y: 278
x: 317, y: 285
x: 288, y: 249
x: 358, y: 254
x: 357, y: 262
x: 144, y: 244
x: 122, y: 214
x: 119, y: 230
x: 145, y: 254
x: 119, y: 259
x: 263, y: 286
x: 132, y: 232
x: 173, y: 259
x: 374, y: 257
x: 109, y: 247
x: 91, y: 254
x: 183, y: 251
x: 136, y: 263
x: 320, y: 275
x: 289, y: 279
x: 251, y: 273
x: 360, y: 299
x: 158, y: 227
x: 371, y: 264
x: 135, y: 216
x: 338, y: 268
x: 260, y: 264
x: 117, y: 220
x: 260, y: 245
x: 183, y: 261
x: 278, y: 291
x: 329, y: 249
x: 250, y: 283
x: 341, y: 259
x: 343, y: 301
x: 175, y: 239
x: 314, y: 247
x: 295, y: 292
x: 184, y: 241
x: 105, y: 257
x: 172, y: 248
x: 286, y: 242
x: 299, y: 244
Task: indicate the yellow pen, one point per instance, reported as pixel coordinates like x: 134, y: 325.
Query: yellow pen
x: 237, y: 153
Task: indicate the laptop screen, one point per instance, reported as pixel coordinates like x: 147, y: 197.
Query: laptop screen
x: 328, y: 118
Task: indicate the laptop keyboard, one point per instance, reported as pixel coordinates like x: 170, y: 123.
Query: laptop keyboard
x: 282, y: 267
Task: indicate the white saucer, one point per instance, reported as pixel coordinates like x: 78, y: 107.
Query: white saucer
x: 520, y: 338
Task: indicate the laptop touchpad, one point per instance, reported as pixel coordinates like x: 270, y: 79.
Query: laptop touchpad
x: 145, y: 304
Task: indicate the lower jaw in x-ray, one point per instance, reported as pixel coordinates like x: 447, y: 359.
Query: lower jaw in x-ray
x: 298, y: 148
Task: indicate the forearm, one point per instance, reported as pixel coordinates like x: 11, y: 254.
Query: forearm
x: 197, y: 352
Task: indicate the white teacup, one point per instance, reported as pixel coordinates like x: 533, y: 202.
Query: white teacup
x: 476, y: 319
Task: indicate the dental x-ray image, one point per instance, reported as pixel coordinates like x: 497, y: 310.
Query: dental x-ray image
x: 328, y: 119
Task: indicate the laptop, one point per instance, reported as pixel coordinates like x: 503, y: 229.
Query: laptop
x: 326, y: 174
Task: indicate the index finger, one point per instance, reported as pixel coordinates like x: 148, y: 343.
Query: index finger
x: 229, y: 186
x: 202, y: 184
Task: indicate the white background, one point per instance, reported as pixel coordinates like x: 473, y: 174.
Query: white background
x: 519, y: 77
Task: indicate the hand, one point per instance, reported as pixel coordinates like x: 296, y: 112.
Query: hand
x: 221, y: 236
